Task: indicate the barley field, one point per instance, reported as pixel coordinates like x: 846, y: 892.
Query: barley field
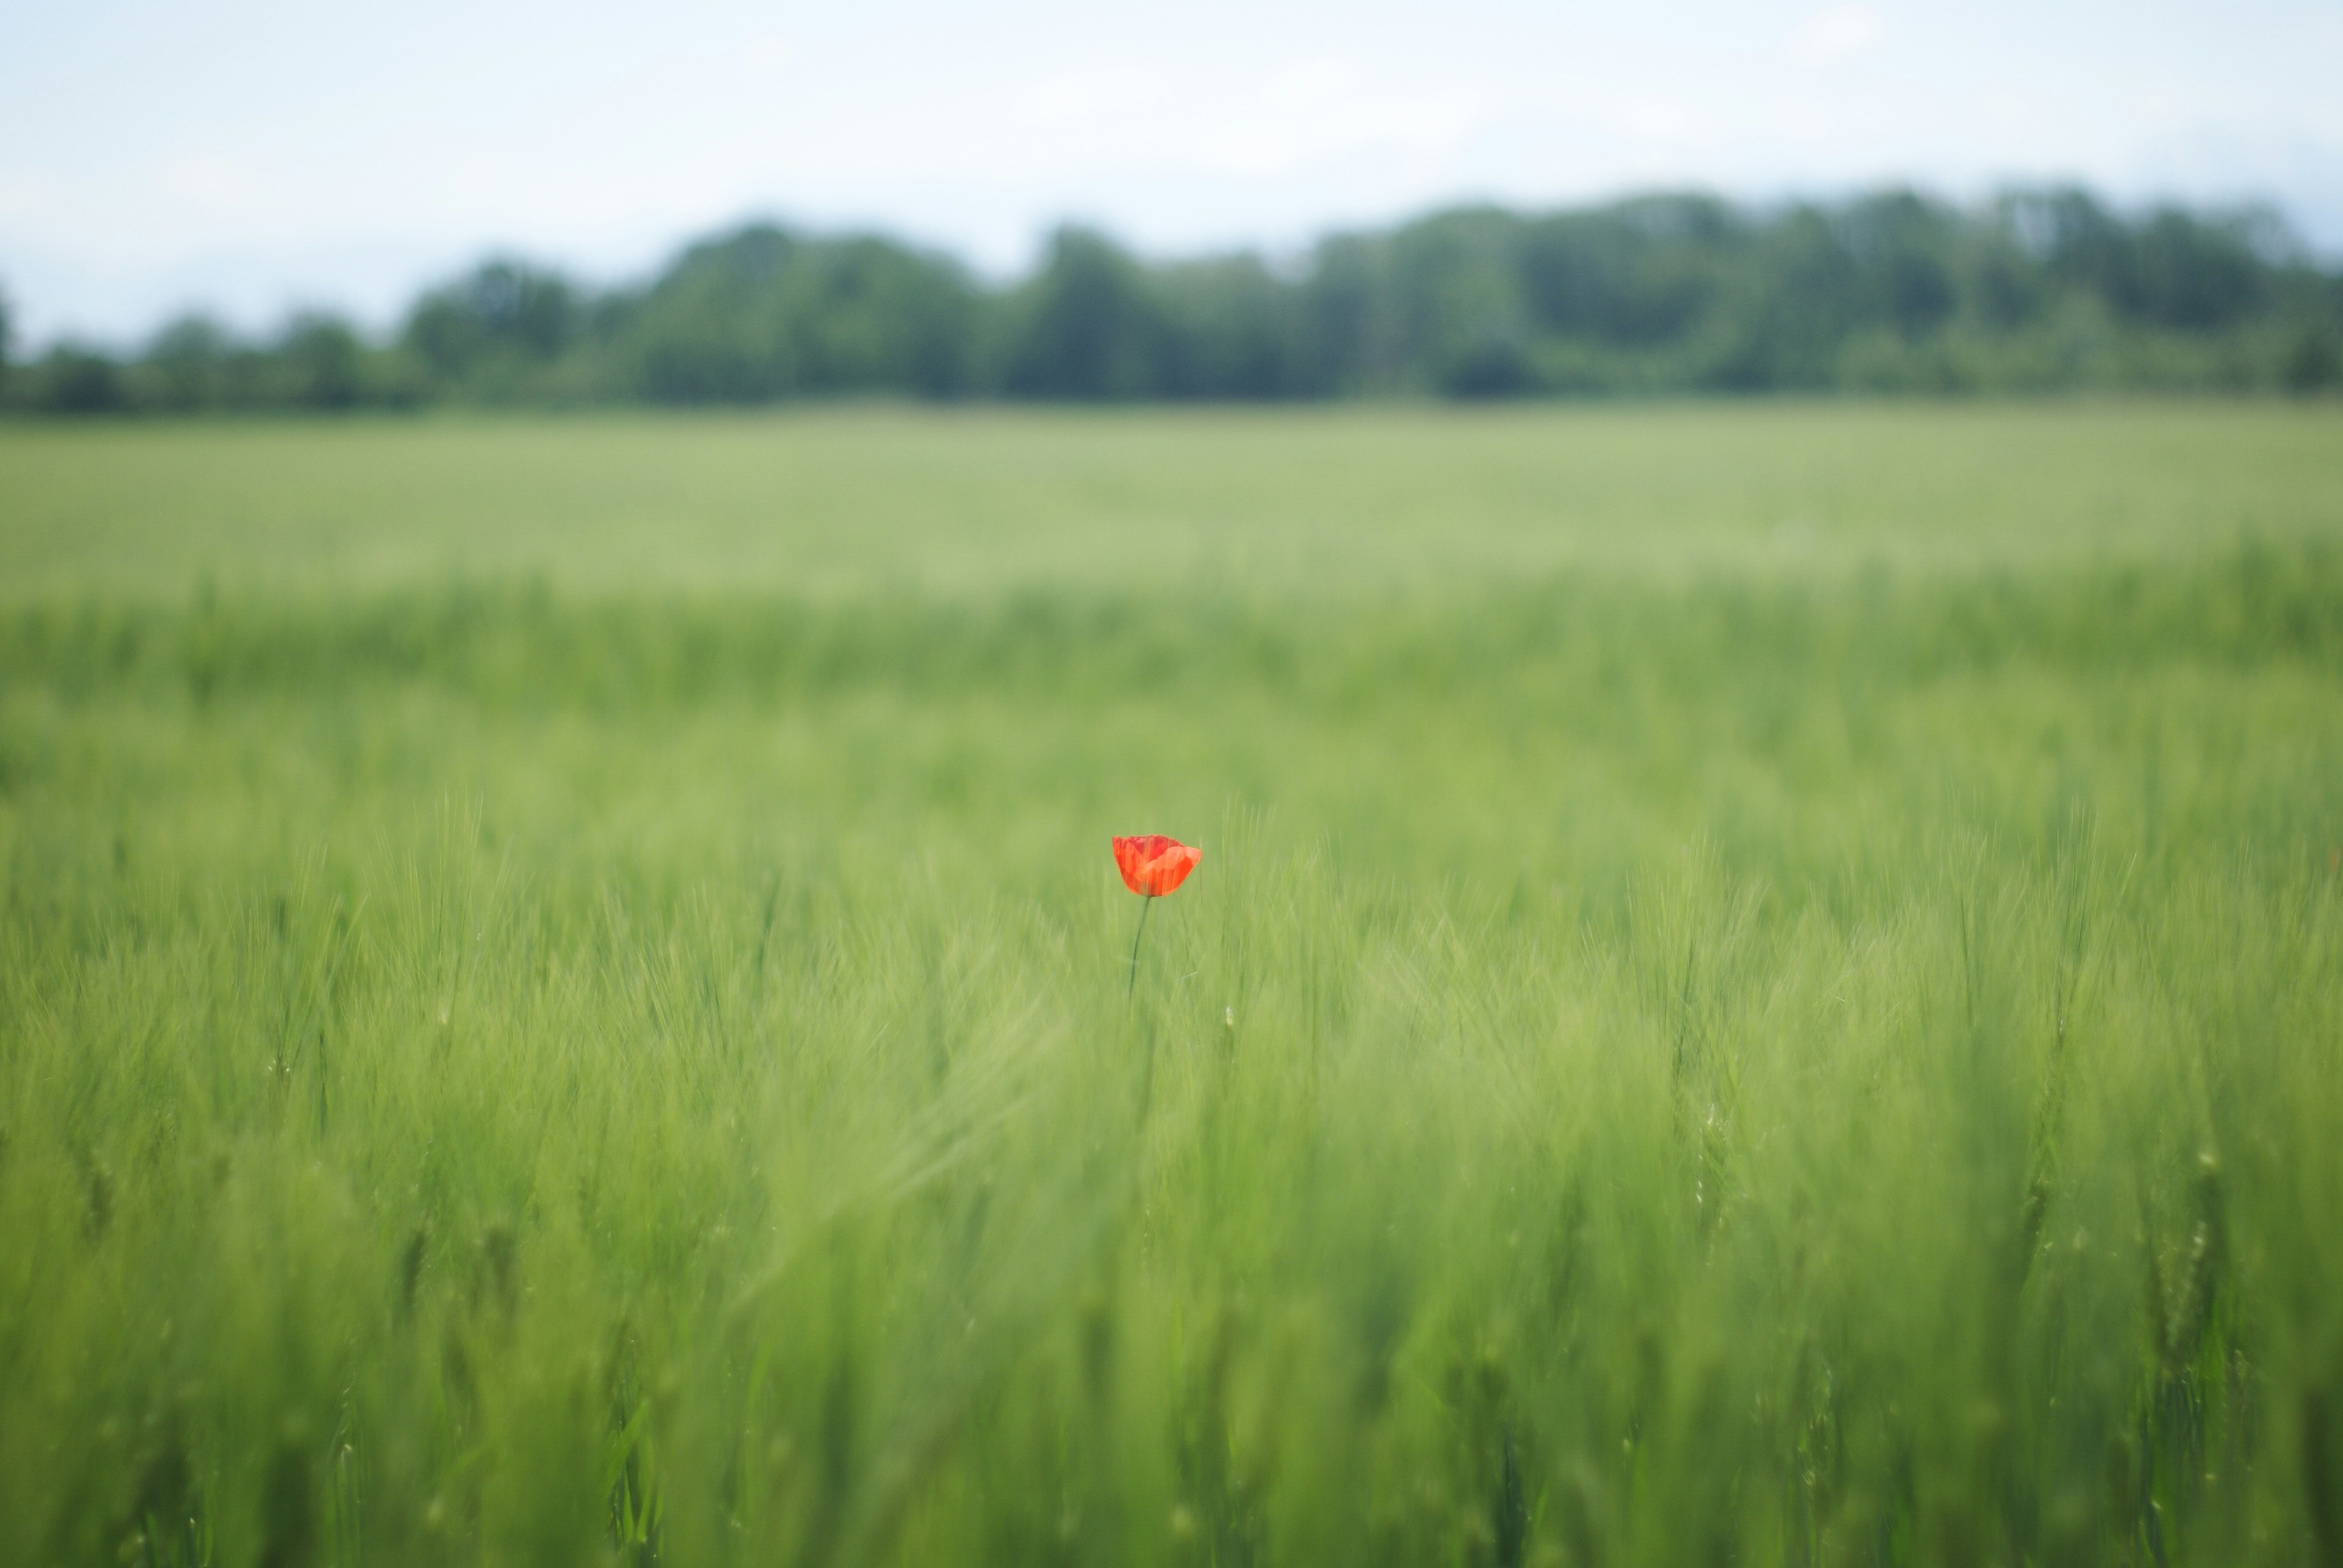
x: 1766, y: 987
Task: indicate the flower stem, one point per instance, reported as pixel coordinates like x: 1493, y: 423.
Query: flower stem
x: 1132, y: 986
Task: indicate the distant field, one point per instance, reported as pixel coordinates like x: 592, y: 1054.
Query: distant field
x: 975, y: 503
x: 1766, y: 987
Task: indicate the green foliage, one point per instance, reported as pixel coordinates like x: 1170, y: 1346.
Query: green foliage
x: 75, y: 378
x: 193, y: 364
x: 764, y: 314
x: 1087, y: 327
x: 490, y: 334
x: 320, y: 361
x: 1762, y: 989
x: 2038, y: 291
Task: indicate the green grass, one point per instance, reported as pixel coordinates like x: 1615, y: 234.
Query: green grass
x: 1766, y: 987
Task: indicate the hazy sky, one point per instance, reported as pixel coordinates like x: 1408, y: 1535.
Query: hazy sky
x: 251, y: 155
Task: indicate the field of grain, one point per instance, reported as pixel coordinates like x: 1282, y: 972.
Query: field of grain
x: 1766, y: 987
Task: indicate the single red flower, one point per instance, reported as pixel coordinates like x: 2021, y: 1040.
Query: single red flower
x: 1153, y: 865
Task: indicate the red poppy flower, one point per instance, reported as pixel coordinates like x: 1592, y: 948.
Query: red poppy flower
x: 1153, y: 865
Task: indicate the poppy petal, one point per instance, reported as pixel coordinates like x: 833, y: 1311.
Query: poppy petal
x: 1154, y: 864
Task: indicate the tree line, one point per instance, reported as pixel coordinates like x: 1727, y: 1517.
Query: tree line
x: 1892, y: 292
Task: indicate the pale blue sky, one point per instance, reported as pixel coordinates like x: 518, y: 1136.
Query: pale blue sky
x: 253, y: 155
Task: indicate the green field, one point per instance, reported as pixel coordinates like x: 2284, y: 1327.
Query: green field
x: 1766, y: 987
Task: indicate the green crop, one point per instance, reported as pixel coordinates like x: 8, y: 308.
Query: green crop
x: 1766, y: 986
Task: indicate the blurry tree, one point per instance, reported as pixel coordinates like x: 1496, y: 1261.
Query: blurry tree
x: 2039, y: 289
x: 186, y: 368
x: 2192, y: 275
x: 2075, y: 239
x: 2313, y: 357
x: 500, y: 317
x: 1231, y: 329
x: 73, y: 378
x: 1348, y: 336
x: 2004, y: 289
x: 1459, y: 303
x: 1902, y: 247
x: 1630, y: 275
x: 763, y: 314
x: 1788, y: 314
x: 875, y: 316
x: 1087, y: 326
x: 321, y: 363
x: 711, y: 329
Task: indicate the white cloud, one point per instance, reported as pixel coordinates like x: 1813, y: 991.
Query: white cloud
x: 1091, y: 92
x: 1201, y: 116
x: 764, y: 55
x: 349, y: 153
x: 1313, y: 112
x: 204, y: 183
x: 1663, y: 119
x: 1835, y: 36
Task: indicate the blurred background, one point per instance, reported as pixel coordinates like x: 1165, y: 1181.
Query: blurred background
x: 261, y: 204
x: 1764, y: 981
